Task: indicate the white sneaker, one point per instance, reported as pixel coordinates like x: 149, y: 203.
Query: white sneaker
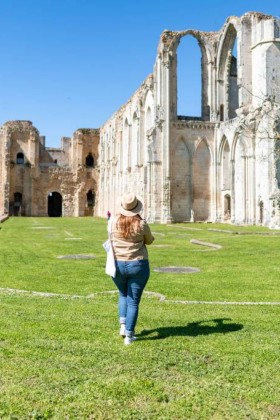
x: 129, y: 340
x: 122, y: 330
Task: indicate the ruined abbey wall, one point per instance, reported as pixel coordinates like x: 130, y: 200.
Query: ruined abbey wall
x: 221, y: 166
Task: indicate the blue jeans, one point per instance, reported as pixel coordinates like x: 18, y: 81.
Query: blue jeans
x: 131, y: 279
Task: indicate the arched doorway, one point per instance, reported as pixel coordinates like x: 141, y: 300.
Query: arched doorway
x: 54, y: 204
x: 89, y: 209
x: 90, y: 198
x: 228, y: 89
x: 17, y: 204
x: 227, y: 207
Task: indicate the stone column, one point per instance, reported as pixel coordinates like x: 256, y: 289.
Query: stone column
x: 232, y: 164
x: 166, y: 215
x: 251, y: 190
x: 217, y: 211
x: 148, y: 185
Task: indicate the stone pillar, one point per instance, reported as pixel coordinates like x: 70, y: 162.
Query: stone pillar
x: 148, y: 186
x: 217, y: 210
x: 166, y: 215
x: 251, y: 190
x: 232, y: 164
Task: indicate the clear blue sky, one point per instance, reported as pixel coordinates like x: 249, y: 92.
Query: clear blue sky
x: 69, y: 64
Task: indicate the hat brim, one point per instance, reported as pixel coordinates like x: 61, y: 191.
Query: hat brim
x: 132, y: 212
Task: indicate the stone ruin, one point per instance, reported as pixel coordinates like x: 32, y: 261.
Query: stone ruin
x: 41, y: 181
x: 222, y: 166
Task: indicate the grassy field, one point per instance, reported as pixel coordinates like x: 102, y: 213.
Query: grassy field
x: 60, y: 353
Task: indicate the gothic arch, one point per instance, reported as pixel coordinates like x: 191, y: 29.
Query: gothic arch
x: 221, y: 149
x: 225, y: 165
x: 244, y: 143
x: 206, y: 58
x: 227, y: 88
x: 126, y: 144
x: 240, y: 181
x: 226, y: 42
x: 205, y: 141
x: 135, y: 140
x: 202, y: 42
x: 148, y: 100
x: 148, y: 126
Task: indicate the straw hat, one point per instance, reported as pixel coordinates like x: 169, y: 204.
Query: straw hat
x: 130, y: 205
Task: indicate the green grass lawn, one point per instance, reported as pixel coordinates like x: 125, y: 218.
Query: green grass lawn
x: 60, y: 353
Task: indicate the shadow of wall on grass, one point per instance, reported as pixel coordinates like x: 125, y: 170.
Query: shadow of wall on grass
x: 193, y: 329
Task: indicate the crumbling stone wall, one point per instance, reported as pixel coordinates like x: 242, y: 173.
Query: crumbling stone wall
x: 31, y: 173
x: 221, y: 166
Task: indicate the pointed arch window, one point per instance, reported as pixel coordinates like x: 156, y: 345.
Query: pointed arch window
x: 134, y: 158
x: 191, y: 74
x: 126, y: 144
x: 228, y: 89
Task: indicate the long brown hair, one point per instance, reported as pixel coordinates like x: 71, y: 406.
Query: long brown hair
x: 127, y: 225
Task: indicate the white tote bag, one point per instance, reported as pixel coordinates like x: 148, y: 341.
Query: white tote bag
x: 110, y: 267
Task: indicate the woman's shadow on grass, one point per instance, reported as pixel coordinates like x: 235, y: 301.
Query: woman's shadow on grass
x: 193, y: 329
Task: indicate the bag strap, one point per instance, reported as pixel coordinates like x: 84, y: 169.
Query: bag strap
x: 109, y: 229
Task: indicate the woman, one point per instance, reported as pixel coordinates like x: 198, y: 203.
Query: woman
x: 130, y: 234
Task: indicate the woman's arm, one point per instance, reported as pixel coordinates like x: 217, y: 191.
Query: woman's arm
x: 148, y: 237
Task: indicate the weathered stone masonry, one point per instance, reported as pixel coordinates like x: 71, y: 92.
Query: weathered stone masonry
x: 39, y: 181
x: 219, y: 167
x: 222, y: 166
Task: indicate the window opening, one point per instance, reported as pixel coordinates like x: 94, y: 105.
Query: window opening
x: 221, y: 112
x: 189, y: 79
x: 20, y: 158
x: 233, y: 88
x: 90, y: 199
x: 89, y: 161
